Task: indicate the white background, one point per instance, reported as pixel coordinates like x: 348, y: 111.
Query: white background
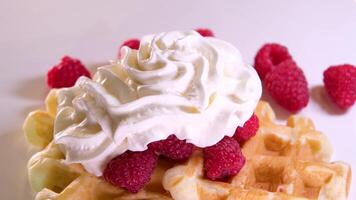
x: 35, y: 34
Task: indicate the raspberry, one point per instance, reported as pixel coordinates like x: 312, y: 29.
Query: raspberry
x: 269, y: 56
x: 248, y: 130
x: 340, y: 84
x: 223, y: 159
x: 173, y: 148
x: 66, y: 73
x: 205, y: 32
x: 132, y: 43
x: 131, y: 170
x: 288, y: 86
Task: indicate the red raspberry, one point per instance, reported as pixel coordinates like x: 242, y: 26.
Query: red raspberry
x: 132, y: 43
x: 131, y: 170
x: 205, y: 32
x: 248, y: 130
x: 288, y: 86
x: 66, y: 73
x: 340, y: 84
x: 223, y: 159
x: 173, y: 148
x: 269, y: 56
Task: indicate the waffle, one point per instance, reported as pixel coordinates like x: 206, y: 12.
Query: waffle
x: 55, y: 180
x: 282, y: 162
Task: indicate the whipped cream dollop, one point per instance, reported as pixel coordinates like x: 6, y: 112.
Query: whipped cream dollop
x: 181, y: 83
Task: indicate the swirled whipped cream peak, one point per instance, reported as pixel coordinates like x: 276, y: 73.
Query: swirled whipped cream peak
x: 179, y: 82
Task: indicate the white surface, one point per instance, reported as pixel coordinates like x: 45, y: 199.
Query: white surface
x: 35, y: 34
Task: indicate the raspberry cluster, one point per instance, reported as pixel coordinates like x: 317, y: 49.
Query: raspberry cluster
x: 132, y: 170
x: 287, y: 85
x: 282, y: 77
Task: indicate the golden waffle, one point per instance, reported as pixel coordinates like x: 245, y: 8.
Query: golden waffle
x: 282, y: 162
x: 54, y: 180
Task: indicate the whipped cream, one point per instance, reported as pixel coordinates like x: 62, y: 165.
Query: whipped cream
x: 181, y: 83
